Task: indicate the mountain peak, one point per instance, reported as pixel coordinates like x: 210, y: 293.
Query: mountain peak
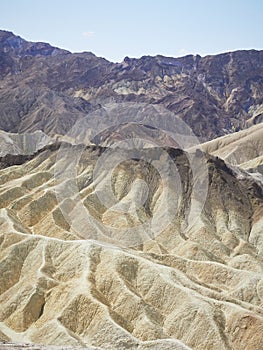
x: 11, y: 43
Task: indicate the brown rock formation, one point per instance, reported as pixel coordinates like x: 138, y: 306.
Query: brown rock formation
x: 113, y: 236
x: 46, y: 88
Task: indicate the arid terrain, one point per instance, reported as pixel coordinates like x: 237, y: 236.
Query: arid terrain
x: 119, y: 230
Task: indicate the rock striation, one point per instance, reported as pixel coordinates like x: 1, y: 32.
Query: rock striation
x: 64, y: 283
x: 47, y: 88
x: 118, y: 228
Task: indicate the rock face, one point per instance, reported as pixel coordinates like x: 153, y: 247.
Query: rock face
x: 115, y: 234
x: 46, y: 88
x: 189, y: 287
x: 243, y: 148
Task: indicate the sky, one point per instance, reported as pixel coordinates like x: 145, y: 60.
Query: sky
x: 114, y: 29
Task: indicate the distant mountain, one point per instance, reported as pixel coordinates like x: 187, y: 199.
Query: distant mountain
x: 118, y: 228
x: 46, y: 88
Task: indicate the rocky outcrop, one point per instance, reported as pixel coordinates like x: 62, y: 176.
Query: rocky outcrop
x: 118, y: 230
x: 22, y: 144
x: 49, y: 89
x: 105, y: 282
x: 243, y: 149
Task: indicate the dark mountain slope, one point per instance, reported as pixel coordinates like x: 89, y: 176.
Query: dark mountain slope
x: 215, y: 95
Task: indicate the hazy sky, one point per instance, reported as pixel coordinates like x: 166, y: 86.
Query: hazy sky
x: 115, y: 29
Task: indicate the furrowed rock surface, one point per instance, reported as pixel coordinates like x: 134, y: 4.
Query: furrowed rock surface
x: 64, y: 282
x: 243, y: 149
x: 46, y: 88
x: 239, y: 147
x: 118, y: 229
x: 22, y: 144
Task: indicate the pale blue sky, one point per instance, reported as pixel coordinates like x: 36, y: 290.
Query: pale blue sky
x: 115, y: 29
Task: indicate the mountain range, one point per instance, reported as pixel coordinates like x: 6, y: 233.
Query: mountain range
x: 131, y: 200
x: 47, y: 88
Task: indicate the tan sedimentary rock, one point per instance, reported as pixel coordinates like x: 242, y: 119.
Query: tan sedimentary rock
x: 196, y: 288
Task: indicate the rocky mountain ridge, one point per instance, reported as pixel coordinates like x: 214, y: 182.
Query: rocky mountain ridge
x: 214, y: 95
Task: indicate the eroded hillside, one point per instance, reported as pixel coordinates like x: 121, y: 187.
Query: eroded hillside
x: 62, y: 282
